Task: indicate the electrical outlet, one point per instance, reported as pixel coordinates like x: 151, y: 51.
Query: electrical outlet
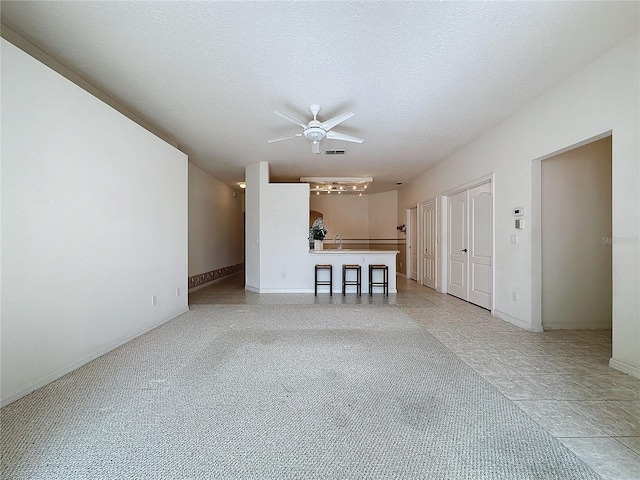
x: 154, y: 300
x: 284, y: 275
x: 178, y: 292
x: 514, y: 296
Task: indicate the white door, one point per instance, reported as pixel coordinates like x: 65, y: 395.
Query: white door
x: 457, y: 245
x: 480, y: 245
x: 413, y: 243
x: 429, y: 242
x: 470, y: 245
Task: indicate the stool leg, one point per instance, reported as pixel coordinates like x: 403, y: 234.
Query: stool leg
x: 344, y: 279
x: 386, y: 282
x: 316, y: 283
x: 331, y: 281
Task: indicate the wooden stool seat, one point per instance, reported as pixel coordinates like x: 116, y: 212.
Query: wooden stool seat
x: 385, y: 279
x: 357, y: 282
x: 324, y: 282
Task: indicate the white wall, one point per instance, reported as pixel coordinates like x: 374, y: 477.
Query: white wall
x: 277, y: 232
x: 256, y: 177
x: 602, y: 97
x: 215, y: 224
x: 94, y: 224
x: 576, y: 223
x: 284, y: 236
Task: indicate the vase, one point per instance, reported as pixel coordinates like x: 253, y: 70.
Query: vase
x: 317, y: 244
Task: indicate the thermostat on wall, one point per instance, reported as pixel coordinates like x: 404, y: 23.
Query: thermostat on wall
x: 518, y: 212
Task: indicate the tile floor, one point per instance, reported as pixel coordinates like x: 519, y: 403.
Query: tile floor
x: 560, y: 378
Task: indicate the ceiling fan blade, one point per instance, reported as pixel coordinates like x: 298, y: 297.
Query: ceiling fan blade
x: 315, y: 147
x: 284, y: 138
x: 329, y: 124
x: 342, y: 136
x: 286, y: 116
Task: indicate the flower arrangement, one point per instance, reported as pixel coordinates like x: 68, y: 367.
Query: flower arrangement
x: 318, y: 231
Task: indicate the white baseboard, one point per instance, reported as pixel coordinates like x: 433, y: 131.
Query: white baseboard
x: 75, y: 365
x: 577, y: 326
x: 516, y: 321
x: 624, y: 367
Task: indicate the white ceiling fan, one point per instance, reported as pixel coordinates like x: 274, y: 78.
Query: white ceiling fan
x: 317, y: 130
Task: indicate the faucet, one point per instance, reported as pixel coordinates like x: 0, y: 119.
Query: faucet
x: 336, y: 238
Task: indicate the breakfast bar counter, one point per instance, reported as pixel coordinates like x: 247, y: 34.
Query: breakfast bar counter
x: 364, y: 258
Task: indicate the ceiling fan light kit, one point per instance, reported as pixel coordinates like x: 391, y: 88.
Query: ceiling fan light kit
x: 315, y: 134
x: 316, y: 131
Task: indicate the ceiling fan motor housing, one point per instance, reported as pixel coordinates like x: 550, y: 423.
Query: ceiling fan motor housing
x: 314, y: 131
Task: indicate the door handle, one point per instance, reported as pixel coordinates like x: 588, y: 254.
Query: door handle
x: 464, y: 250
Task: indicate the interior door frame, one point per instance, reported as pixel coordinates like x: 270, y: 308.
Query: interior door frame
x: 536, y: 228
x: 443, y: 226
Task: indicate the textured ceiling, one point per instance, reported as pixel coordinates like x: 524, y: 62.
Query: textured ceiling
x: 423, y: 78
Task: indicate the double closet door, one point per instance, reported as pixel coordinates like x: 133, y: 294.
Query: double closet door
x: 470, y: 245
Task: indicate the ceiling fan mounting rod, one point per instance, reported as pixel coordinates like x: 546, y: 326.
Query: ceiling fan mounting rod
x: 314, y: 109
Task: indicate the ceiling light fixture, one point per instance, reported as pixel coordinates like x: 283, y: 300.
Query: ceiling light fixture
x: 348, y: 185
x: 315, y: 134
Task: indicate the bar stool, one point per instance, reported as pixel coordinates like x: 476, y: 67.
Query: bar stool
x: 357, y: 282
x: 324, y: 282
x: 385, y: 279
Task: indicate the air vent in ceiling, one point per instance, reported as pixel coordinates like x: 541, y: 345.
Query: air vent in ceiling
x: 335, y: 152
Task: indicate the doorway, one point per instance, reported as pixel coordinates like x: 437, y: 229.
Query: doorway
x: 576, y: 240
x: 470, y: 244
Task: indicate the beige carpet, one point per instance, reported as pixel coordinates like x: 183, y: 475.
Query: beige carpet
x: 278, y: 392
